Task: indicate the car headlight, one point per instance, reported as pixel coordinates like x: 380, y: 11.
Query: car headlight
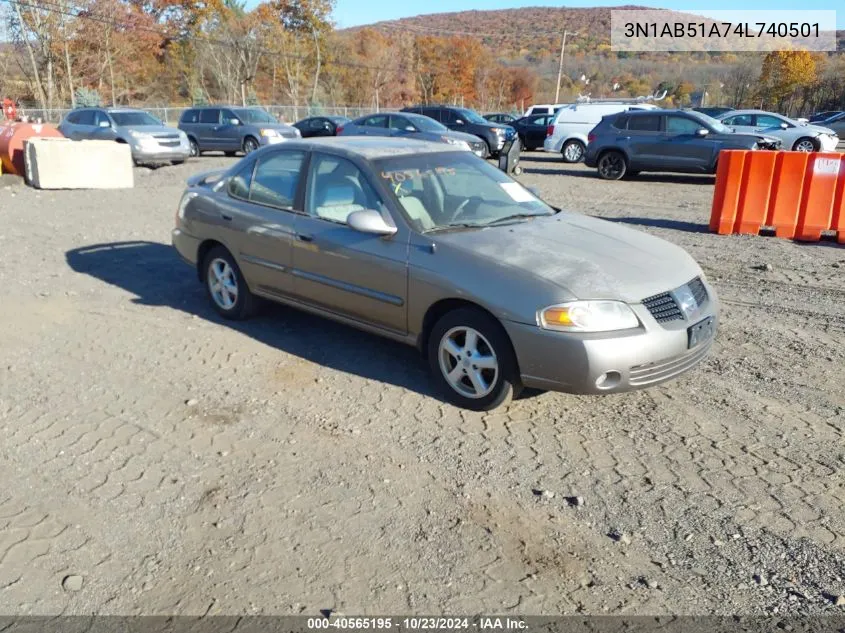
x: 456, y: 142
x: 500, y: 131
x: 588, y: 316
x: 268, y: 132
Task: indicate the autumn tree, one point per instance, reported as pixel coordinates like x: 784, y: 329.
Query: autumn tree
x: 783, y: 73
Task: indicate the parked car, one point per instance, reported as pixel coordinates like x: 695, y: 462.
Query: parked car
x: 818, y: 117
x: 232, y: 129
x: 416, y: 126
x: 532, y: 130
x: 320, y: 125
x: 150, y: 140
x: 713, y: 111
x: 567, y: 133
x: 469, y: 121
x: 665, y: 140
x: 796, y: 136
x: 431, y: 246
x: 500, y: 117
x: 544, y: 108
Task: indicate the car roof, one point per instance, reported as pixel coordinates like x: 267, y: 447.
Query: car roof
x: 371, y: 148
x: 119, y: 110
x: 757, y: 112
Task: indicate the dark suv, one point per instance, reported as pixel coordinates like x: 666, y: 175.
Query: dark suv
x: 232, y: 129
x: 663, y: 140
x: 469, y: 121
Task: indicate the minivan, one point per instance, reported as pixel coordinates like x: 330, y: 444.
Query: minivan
x: 567, y: 133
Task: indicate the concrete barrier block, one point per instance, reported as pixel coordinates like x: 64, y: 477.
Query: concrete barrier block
x: 65, y: 164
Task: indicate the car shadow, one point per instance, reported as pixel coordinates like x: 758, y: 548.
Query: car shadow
x: 542, y: 171
x: 157, y: 276
x: 677, y: 225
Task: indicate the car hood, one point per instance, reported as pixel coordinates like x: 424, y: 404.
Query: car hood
x: 819, y: 129
x: 152, y: 129
x: 459, y: 136
x: 591, y: 258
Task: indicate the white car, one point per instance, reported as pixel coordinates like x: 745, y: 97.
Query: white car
x: 567, y: 133
x: 795, y: 136
x: 544, y: 108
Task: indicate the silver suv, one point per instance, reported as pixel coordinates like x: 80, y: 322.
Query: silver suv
x: 232, y: 130
x: 151, y: 141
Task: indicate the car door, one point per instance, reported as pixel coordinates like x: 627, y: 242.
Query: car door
x: 534, y: 129
x: 84, y: 127
x: 103, y: 127
x: 258, y: 213
x: 320, y: 127
x: 354, y: 274
x: 682, y: 148
x: 644, y: 141
x: 399, y: 125
x: 229, y: 131
x: 209, y: 119
x: 68, y: 126
x: 376, y: 125
x: 742, y: 123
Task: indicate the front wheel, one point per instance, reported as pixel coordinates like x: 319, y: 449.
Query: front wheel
x: 195, y: 148
x: 573, y: 151
x: 612, y: 165
x: 226, y: 287
x: 250, y: 145
x: 805, y: 144
x: 472, y: 361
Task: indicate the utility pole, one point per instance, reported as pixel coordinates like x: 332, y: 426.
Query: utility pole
x: 560, y: 65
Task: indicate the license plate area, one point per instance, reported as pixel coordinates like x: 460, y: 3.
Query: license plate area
x: 699, y: 333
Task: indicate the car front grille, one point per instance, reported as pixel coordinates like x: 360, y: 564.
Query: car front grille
x: 664, y: 308
x: 169, y: 143
x: 287, y: 134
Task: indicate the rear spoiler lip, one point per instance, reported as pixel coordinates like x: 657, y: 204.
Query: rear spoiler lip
x: 205, y: 178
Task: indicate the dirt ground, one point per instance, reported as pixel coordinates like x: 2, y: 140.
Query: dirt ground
x: 158, y: 460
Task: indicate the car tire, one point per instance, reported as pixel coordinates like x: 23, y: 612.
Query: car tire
x: 230, y: 154
x: 218, y: 268
x: 612, y: 165
x: 250, y: 145
x: 454, y: 339
x: 805, y: 144
x: 195, y: 148
x: 573, y: 151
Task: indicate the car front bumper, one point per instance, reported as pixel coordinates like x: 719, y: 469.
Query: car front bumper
x: 828, y: 143
x: 609, y: 362
x: 159, y: 154
x: 186, y: 245
x: 275, y: 140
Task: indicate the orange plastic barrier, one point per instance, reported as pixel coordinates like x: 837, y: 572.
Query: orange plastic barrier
x: 726, y: 197
x: 12, y: 136
x: 801, y: 195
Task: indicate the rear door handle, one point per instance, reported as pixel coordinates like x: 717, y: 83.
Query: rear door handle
x: 302, y: 237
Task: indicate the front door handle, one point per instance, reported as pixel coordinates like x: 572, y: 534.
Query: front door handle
x: 228, y: 218
x: 303, y: 237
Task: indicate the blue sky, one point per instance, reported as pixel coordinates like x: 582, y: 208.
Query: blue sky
x: 357, y: 12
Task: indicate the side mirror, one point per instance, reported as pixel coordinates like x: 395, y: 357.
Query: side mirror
x: 234, y: 121
x: 459, y: 121
x: 702, y: 131
x: 104, y: 124
x: 784, y: 126
x: 369, y: 221
x: 410, y: 128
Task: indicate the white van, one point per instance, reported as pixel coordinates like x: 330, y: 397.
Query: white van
x: 567, y: 133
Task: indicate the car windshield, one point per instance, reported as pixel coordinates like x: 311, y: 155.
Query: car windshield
x: 426, y: 124
x: 457, y: 190
x: 131, y: 119
x: 714, y: 124
x: 254, y: 115
x: 471, y: 116
x: 338, y: 119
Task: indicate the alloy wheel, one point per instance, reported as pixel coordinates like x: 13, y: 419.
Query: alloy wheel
x: 223, y: 283
x: 468, y: 362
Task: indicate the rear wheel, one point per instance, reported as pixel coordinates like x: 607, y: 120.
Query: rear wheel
x: 226, y: 287
x: 805, y: 144
x: 612, y: 165
x: 573, y: 151
x: 472, y: 360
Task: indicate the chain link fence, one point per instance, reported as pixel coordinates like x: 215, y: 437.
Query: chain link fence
x: 170, y: 115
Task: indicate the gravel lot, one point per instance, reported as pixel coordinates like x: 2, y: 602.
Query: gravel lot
x: 158, y: 460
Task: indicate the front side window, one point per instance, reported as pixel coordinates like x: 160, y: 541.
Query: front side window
x: 239, y: 183
x: 681, y: 125
x: 375, y: 121
x: 86, y: 117
x: 337, y: 187
x: 765, y: 120
x: 132, y: 119
x: 190, y: 116
x: 276, y: 179
x: 401, y: 123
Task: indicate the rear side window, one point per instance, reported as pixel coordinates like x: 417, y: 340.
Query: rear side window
x: 189, y: 116
x: 620, y: 122
x: 211, y: 115
x: 644, y: 123
x: 72, y: 118
x: 276, y: 178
